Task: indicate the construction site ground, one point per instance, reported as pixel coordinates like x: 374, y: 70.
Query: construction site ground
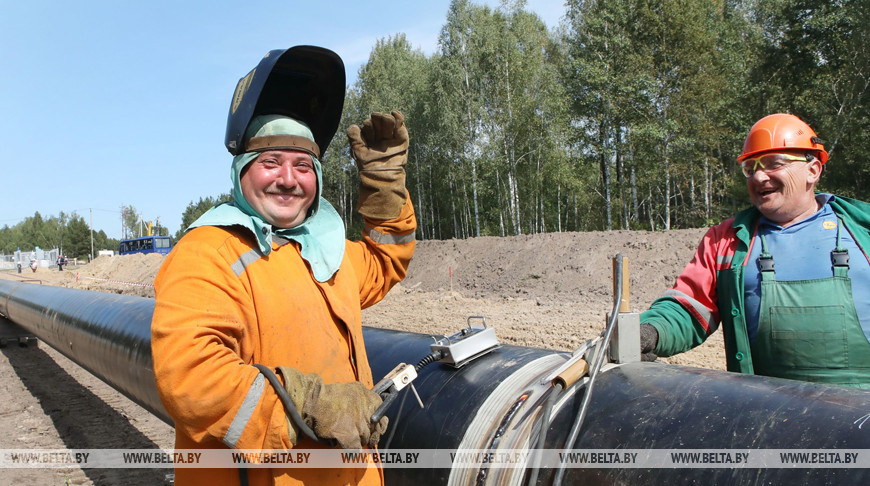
x: 547, y: 291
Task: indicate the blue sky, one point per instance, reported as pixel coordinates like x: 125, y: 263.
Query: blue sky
x: 107, y: 103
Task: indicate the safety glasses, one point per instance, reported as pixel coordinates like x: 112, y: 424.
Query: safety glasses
x: 770, y: 163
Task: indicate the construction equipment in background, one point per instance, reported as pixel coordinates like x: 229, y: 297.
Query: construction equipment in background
x: 150, y: 227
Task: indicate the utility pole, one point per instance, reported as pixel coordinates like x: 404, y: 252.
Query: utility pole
x: 91, y: 256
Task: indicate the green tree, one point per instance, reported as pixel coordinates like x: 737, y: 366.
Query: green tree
x: 465, y: 43
x: 340, y: 179
x: 103, y: 242
x: 815, y: 63
x: 498, y: 111
x: 10, y: 238
x: 657, y: 90
x: 130, y: 222
x: 79, y: 245
x: 527, y: 116
x: 196, y: 209
x: 31, y: 232
x: 394, y: 78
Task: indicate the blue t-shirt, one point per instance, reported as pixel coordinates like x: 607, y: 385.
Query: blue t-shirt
x: 803, y: 252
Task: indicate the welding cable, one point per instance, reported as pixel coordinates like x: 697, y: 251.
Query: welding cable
x: 596, y: 366
x: 289, y: 407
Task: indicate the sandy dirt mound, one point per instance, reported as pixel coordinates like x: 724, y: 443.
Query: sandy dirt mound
x: 547, y: 291
x: 128, y: 274
x: 550, y: 291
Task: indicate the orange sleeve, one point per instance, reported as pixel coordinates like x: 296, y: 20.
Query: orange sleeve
x: 203, y: 339
x: 381, y: 258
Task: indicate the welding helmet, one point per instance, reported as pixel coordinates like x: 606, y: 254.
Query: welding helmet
x: 781, y: 131
x: 305, y: 83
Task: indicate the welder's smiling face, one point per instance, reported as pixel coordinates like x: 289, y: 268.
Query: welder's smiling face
x: 785, y: 195
x: 280, y: 185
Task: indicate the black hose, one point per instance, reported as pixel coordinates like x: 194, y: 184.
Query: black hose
x: 596, y: 366
x: 435, y: 356
x: 289, y: 407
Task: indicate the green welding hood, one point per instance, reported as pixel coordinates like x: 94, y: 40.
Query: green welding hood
x: 303, y: 82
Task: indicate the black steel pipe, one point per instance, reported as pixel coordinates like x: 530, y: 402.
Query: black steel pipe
x: 493, y: 402
x: 107, y: 334
x: 634, y: 406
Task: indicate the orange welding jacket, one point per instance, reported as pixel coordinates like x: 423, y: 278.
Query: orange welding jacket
x: 221, y: 307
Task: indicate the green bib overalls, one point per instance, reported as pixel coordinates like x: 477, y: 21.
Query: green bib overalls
x: 809, y: 329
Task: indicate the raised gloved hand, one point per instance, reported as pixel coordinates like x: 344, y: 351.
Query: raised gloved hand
x: 380, y: 149
x: 337, y: 411
x: 649, y: 338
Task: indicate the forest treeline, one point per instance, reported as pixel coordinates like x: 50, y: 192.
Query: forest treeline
x: 69, y: 233
x: 629, y: 115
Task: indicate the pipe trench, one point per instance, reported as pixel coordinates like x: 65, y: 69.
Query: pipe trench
x: 494, y: 402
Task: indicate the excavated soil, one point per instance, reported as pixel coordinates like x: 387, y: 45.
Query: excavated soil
x: 548, y: 291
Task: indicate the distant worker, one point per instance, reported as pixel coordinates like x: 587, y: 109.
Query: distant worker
x: 33, y: 265
x: 60, y: 262
x: 808, y: 316
x: 270, y: 280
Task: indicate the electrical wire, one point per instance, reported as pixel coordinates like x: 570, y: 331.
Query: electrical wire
x: 435, y: 356
x: 596, y: 366
x: 431, y: 358
x: 544, y: 421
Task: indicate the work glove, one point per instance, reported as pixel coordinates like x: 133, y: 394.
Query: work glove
x: 649, y: 338
x: 380, y: 149
x: 338, y: 411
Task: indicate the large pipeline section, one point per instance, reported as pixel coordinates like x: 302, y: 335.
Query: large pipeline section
x: 107, y: 334
x: 494, y: 402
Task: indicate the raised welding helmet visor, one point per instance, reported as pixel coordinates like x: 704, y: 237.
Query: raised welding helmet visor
x: 303, y: 82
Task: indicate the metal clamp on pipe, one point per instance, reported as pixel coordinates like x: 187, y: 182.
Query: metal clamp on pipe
x: 457, y: 351
x: 466, y: 345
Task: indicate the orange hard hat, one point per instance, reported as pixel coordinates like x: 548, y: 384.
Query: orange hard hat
x: 781, y: 131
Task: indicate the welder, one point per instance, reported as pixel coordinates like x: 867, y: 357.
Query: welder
x: 266, y: 289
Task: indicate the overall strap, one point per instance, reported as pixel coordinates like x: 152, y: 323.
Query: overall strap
x: 840, y: 256
x: 765, y: 261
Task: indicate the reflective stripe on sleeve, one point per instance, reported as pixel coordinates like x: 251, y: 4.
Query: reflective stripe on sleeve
x: 244, y: 260
x: 700, y: 312
x: 387, y: 239
x: 246, y: 411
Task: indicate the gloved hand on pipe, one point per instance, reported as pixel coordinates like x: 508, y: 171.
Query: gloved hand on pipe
x: 337, y: 411
x: 380, y: 149
x: 649, y: 338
